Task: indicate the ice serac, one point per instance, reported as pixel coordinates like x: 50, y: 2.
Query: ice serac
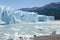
x: 8, y: 15
x: 5, y: 14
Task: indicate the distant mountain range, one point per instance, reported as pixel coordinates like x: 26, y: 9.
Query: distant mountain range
x: 52, y: 9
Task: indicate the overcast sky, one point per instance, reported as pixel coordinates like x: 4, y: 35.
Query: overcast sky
x: 17, y: 4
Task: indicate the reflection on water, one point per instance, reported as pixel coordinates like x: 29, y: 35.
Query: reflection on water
x: 10, y: 32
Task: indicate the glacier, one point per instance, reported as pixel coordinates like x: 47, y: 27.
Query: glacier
x: 50, y: 18
x: 42, y: 18
x: 10, y: 16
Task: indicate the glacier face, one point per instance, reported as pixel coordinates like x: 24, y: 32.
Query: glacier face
x: 50, y: 18
x: 42, y: 18
x: 5, y: 13
x: 10, y: 16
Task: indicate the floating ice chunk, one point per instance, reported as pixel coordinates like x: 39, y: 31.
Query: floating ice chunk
x: 39, y: 27
x: 10, y: 39
x: 2, y: 23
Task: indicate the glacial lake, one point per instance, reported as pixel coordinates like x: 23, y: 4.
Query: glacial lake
x: 28, y: 29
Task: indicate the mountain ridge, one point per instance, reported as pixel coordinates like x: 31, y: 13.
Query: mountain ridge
x: 52, y: 9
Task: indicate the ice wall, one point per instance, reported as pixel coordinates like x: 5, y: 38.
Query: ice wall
x: 42, y: 18
x: 10, y: 16
x: 50, y: 18
x: 5, y: 13
x: 31, y: 17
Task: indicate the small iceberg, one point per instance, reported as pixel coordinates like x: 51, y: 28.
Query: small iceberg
x: 2, y: 23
